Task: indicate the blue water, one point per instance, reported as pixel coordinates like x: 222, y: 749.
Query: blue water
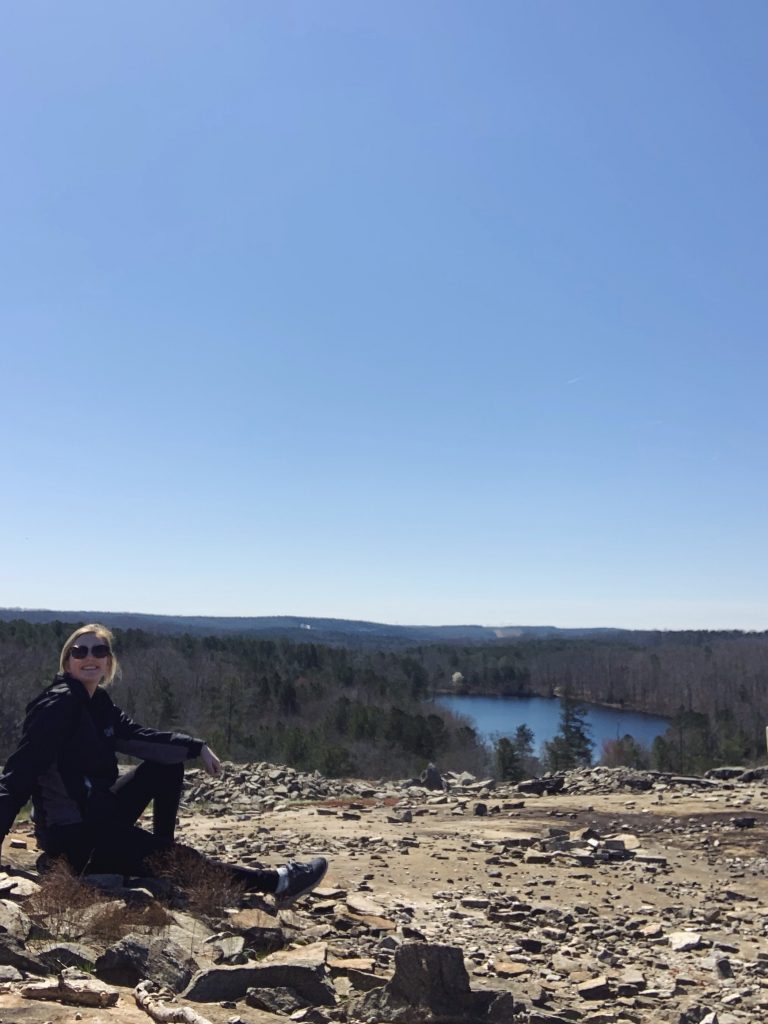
x: 500, y: 716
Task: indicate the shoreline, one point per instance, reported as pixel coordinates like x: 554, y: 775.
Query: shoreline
x: 541, y: 696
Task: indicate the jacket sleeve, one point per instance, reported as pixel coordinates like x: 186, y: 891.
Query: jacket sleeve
x: 151, y: 744
x: 46, y: 727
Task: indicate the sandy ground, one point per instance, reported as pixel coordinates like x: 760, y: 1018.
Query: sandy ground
x: 445, y: 856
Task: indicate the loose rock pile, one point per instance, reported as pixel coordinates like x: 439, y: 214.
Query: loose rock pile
x: 463, y: 902
x: 261, y: 786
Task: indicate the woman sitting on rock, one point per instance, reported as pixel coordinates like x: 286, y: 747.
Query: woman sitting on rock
x: 84, y: 811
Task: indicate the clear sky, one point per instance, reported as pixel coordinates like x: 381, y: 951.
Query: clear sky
x: 422, y: 312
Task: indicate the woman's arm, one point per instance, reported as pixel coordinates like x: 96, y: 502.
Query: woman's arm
x: 50, y: 720
x: 152, y: 744
x: 156, y: 745
x: 211, y: 763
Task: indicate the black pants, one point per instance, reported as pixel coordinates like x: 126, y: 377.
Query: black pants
x: 109, y: 841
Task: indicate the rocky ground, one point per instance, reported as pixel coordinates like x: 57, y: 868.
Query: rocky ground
x: 598, y: 896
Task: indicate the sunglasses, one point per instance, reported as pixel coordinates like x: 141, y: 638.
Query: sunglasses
x: 81, y: 651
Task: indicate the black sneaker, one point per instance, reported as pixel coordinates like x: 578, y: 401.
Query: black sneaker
x: 298, y: 879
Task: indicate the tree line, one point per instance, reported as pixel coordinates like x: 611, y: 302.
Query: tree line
x: 371, y: 712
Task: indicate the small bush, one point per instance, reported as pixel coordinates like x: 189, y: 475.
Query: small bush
x: 209, y: 888
x: 61, y: 901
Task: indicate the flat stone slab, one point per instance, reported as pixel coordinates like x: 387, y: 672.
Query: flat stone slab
x: 594, y: 988
x: 644, y: 857
x: 359, y: 963
x: 358, y: 904
x: 681, y: 942
x: 508, y: 969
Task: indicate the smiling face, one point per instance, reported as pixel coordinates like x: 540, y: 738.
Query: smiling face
x: 90, y: 669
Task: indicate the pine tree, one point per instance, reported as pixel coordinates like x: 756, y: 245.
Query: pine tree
x: 508, y: 765
x: 572, y: 746
x: 523, y: 742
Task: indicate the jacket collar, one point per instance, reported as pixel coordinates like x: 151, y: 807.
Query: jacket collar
x: 77, y: 688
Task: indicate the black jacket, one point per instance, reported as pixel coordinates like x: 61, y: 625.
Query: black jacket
x: 66, y: 757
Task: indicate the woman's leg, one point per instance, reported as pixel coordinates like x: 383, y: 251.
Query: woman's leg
x: 186, y: 862
x: 108, y: 841
x: 113, y: 847
x: 130, y: 850
x: 160, y: 783
x: 107, y: 847
x: 287, y: 883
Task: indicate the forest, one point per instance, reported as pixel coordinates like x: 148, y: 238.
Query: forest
x: 370, y: 712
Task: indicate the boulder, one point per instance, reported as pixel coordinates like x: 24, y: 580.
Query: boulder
x: 137, y: 957
x: 302, y: 969
x: 431, y: 983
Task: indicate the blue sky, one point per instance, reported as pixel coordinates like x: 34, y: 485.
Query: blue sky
x: 410, y: 311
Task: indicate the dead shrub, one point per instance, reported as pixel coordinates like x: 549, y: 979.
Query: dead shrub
x: 61, y: 901
x: 209, y: 888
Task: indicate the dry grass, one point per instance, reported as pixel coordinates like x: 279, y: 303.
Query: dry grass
x: 61, y: 902
x: 67, y: 908
x: 209, y: 888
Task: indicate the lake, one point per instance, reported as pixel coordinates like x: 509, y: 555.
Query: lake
x: 500, y: 716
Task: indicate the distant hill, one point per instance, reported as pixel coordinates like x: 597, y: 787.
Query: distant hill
x: 349, y: 632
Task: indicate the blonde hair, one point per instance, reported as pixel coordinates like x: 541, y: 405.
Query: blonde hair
x: 103, y: 634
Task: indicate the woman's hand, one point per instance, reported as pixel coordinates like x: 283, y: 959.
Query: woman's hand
x: 211, y: 763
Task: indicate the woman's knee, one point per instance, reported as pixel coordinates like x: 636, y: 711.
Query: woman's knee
x: 154, y: 769
x: 161, y: 778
